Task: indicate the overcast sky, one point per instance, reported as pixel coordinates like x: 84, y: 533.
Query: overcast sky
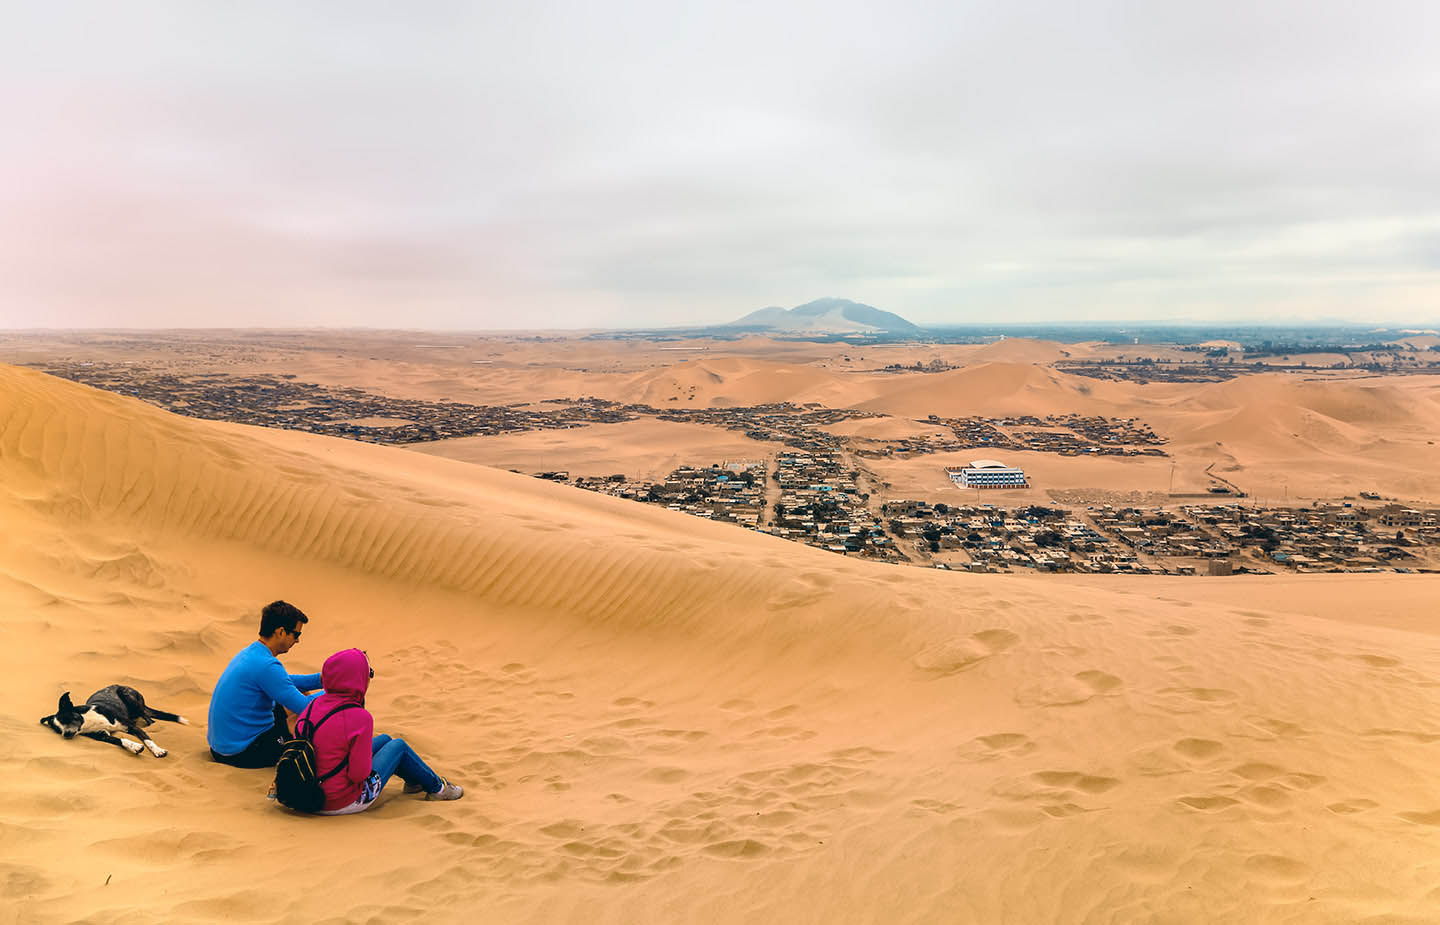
x: 539, y: 164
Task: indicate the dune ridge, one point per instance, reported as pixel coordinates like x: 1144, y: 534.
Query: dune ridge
x: 102, y: 457
x: 661, y: 718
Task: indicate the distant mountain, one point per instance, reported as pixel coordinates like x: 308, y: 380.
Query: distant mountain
x: 827, y: 316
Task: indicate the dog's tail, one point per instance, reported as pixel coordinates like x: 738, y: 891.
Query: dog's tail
x: 168, y: 716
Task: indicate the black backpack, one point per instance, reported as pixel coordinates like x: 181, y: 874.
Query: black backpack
x: 296, y: 783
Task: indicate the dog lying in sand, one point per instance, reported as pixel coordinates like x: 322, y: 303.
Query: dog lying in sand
x: 109, y: 710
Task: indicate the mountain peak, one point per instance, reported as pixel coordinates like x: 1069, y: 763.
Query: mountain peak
x: 828, y: 316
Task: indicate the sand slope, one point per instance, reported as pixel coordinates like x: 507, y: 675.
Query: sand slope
x: 663, y: 719
x: 988, y: 389
x: 1320, y: 438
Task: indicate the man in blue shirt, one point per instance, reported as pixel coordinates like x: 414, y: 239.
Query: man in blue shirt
x: 248, y: 726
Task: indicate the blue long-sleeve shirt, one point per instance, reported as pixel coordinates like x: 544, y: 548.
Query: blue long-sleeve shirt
x: 243, y: 704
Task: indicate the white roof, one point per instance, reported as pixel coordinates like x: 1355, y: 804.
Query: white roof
x: 987, y: 464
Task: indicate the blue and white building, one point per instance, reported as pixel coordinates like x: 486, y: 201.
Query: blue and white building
x: 987, y: 473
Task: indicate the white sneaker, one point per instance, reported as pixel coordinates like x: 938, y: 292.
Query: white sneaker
x: 447, y: 791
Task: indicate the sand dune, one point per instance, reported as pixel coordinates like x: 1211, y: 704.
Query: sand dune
x: 990, y: 389
x: 731, y: 381
x: 663, y: 719
x: 1366, y: 402
x: 1320, y: 439
x: 1021, y: 350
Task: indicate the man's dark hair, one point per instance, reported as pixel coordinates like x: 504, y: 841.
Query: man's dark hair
x: 279, y: 615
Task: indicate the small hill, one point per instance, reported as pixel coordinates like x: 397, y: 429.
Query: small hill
x: 991, y: 388
x: 721, y: 382
x: 828, y: 316
x: 1020, y: 350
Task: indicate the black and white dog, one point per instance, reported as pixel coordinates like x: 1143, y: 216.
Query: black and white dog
x: 109, y: 710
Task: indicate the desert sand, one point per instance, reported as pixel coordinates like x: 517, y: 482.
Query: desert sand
x: 663, y: 719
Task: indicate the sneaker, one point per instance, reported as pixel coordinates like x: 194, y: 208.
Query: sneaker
x: 413, y: 788
x: 448, y: 791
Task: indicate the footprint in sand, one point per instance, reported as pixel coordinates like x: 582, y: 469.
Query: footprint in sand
x: 791, y: 733
x: 1208, y: 803
x: 1092, y: 784
x: 565, y: 828
x: 665, y: 775
x: 687, y: 735
x: 938, y: 807
x: 805, y: 589
x: 1265, y: 795
x: 1347, y: 807
x: 1194, y: 699
x: 1377, y: 661
x: 1058, y: 793
x: 1079, y: 688
x: 1257, y: 770
x: 1268, y: 728
x: 1199, y: 749
x: 956, y: 655
x: 744, y: 849
x: 860, y: 753
x: 1294, y: 780
x: 997, y: 745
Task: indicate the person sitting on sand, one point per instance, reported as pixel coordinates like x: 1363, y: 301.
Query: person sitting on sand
x: 345, y: 742
x: 248, y: 726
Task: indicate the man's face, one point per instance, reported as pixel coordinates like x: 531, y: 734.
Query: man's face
x: 288, y: 638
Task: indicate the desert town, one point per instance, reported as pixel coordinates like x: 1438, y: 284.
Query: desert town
x: 820, y: 505
x: 820, y: 492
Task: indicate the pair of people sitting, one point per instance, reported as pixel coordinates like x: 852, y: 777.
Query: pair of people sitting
x: 250, y: 708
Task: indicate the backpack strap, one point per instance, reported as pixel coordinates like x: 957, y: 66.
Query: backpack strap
x: 305, y: 717
x: 314, y: 727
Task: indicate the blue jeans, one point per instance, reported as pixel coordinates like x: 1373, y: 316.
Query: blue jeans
x: 394, y: 756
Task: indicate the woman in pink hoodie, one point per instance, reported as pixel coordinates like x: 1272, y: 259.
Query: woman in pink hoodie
x: 344, y: 742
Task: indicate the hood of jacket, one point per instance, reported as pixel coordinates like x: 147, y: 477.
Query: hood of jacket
x: 346, y: 676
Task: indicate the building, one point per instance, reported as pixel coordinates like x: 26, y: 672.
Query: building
x: 1396, y: 516
x: 987, y: 473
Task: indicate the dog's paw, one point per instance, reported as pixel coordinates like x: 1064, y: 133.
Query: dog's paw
x: 156, y: 750
x: 132, y: 746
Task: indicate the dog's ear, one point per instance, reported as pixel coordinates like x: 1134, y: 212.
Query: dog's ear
x: 65, y: 705
x: 45, y: 720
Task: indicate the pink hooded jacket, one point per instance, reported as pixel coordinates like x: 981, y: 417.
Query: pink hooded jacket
x: 346, y: 677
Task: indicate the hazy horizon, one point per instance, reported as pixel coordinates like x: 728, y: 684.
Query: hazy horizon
x: 1138, y: 324
x: 455, y: 167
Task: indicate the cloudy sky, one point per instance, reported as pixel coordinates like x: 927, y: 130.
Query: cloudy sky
x: 557, y: 164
